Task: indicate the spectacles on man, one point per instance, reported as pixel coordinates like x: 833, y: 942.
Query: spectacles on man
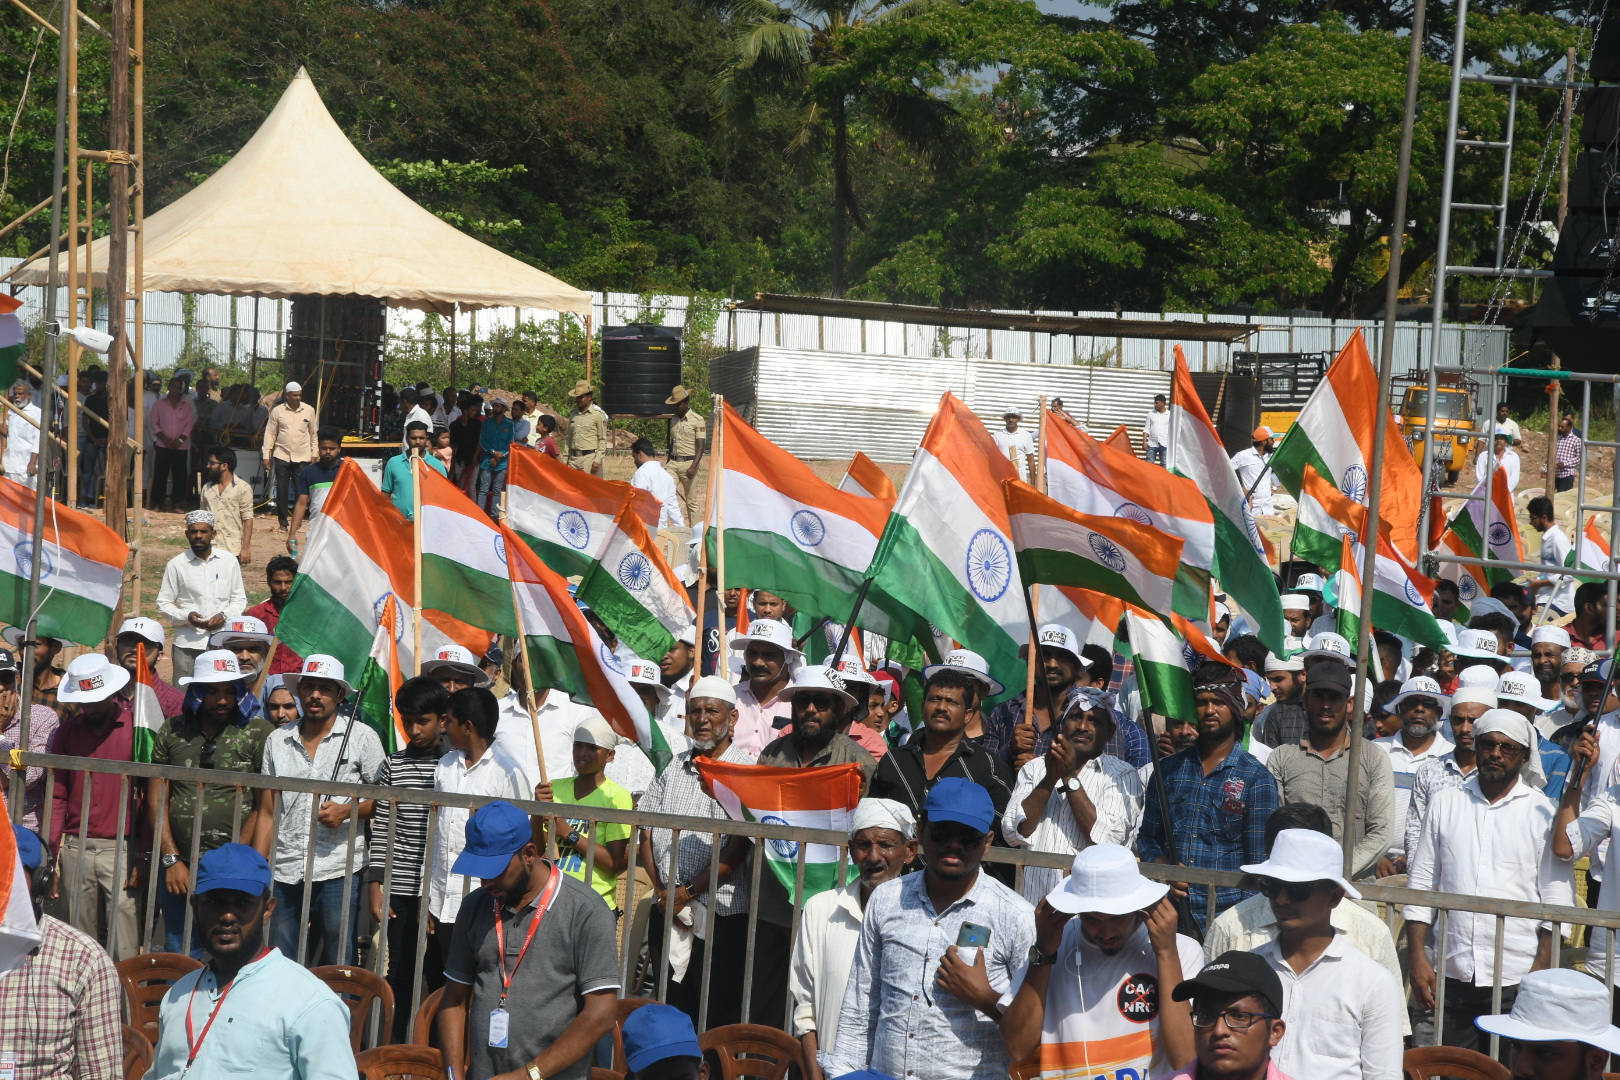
x: 1236, y: 1019
x: 1298, y: 891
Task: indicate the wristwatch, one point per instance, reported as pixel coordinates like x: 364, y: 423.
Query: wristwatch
x: 1040, y: 959
x: 534, y: 1072
x: 168, y: 860
x: 1071, y: 784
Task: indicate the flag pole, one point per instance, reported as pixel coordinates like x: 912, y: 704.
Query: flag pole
x: 416, y: 533
x: 703, y: 545
x: 1386, y: 357
x: 717, y: 462
x: 528, y: 677
x: 1032, y: 593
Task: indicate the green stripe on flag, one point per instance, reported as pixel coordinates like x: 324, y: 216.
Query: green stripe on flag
x: 1075, y: 570
x: 374, y: 700
x: 567, y: 561
x: 62, y: 614
x: 314, y: 621
x: 602, y: 592
x: 476, y: 598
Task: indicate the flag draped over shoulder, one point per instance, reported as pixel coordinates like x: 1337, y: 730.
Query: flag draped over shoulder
x: 815, y: 798
x: 145, y: 710
x: 866, y: 477
x: 791, y: 533
x: 1334, y: 432
x: 945, y: 563
x: 381, y: 680
x: 565, y: 514
x: 81, y: 569
x: 1240, y: 555
x: 1099, y: 480
x: 634, y: 591
x: 19, y: 932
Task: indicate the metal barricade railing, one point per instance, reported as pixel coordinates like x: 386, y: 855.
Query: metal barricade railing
x: 637, y: 971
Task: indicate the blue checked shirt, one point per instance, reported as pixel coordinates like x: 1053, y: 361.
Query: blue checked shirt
x: 1220, y: 819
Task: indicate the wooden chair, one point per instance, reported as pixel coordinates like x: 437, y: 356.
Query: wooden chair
x: 400, y: 1063
x: 361, y: 991
x: 422, y: 1025
x: 753, y: 1051
x: 599, y: 1073
x: 137, y: 1054
x: 1424, y: 1062
x: 146, y: 978
x: 622, y: 1012
x: 1026, y: 1070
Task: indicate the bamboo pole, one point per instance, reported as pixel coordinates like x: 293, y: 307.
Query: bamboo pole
x: 718, y: 463
x: 703, y: 546
x: 70, y: 44
x: 416, y: 570
x: 115, y: 506
x: 138, y: 291
x: 1035, y: 590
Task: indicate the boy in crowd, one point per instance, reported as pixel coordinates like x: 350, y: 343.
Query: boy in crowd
x: 593, y: 749
x: 423, y: 706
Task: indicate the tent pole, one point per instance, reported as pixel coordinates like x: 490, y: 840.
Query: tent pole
x: 453, y: 345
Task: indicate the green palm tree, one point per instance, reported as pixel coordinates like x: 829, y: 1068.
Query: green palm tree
x: 823, y: 58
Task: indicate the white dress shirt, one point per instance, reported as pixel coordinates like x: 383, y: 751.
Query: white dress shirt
x: 1479, y: 848
x: 22, y: 441
x: 652, y: 476
x: 1249, y: 464
x: 1115, y: 790
x: 494, y: 774
x: 1555, y: 547
x: 558, y: 716
x: 823, y: 954
x: 1595, y: 827
x: 1508, y: 463
x: 1404, y: 763
x: 1343, y: 1014
x: 211, y: 586
x: 1156, y: 428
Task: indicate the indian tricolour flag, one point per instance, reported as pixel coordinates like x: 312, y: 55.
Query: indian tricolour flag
x: 380, y: 681
x: 19, y: 932
x: 1334, y: 432
x: 1592, y: 553
x: 11, y: 338
x: 81, y: 570
x: 816, y: 798
x: 565, y: 654
x: 1240, y: 554
x: 1489, y: 527
x: 634, y: 591
x: 360, y: 553
x: 790, y: 532
x: 464, y: 557
x: 1110, y: 555
x: 147, y: 713
x: 1102, y: 481
x: 1348, y: 621
x: 1164, y: 666
x: 866, y: 477
x: 945, y: 564
x: 565, y: 514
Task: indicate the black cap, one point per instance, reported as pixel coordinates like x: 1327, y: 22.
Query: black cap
x: 1234, y: 972
x: 8, y: 660
x: 1597, y: 671
x: 1329, y: 673
x: 494, y: 655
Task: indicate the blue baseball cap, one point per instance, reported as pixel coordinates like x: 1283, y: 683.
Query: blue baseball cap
x: 960, y: 800
x: 29, y: 849
x: 496, y: 832
x: 233, y: 866
x: 655, y: 1032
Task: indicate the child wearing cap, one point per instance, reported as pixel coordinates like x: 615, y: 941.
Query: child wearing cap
x: 594, y: 741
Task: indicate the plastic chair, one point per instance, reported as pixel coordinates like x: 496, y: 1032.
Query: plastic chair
x: 146, y: 978
x: 1424, y: 1062
x: 137, y: 1054
x: 599, y: 1073
x: 622, y: 1012
x: 361, y: 990
x: 422, y: 1025
x: 400, y: 1063
x: 753, y: 1051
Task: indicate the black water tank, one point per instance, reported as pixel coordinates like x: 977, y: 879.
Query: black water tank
x: 641, y: 364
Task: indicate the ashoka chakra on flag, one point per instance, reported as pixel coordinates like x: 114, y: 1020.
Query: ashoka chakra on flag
x: 989, y: 565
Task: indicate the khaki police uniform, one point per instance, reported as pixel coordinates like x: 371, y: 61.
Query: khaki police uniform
x: 685, y: 433
x: 588, y: 439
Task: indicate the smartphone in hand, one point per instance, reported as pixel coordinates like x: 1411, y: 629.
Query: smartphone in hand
x: 969, y: 940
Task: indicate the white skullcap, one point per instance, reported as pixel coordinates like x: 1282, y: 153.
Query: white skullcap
x: 883, y: 814
x: 1294, y: 601
x: 1276, y: 663
x: 712, y: 686
x: 1479, y: 695
x: 1483, y: 675
x: 1515, y: 727
x: 200, y: 517
x: 1555, y: 634
x: 294, y: 388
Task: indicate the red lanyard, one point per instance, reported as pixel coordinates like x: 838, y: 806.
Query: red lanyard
x: 540, y: 907
x: 194, y: 1046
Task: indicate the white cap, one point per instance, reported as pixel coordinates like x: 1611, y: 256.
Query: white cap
x: 1293, y: 601
x: 90, y: 678
x: 1304, y: 855
x: 1557, y: 1005
x: 639, y: 672
x: 1479, y: 644
x: 969, y: 663
x: 1478, y: 695
x: 1478, y: 675
x: 457, y: 659
x: 1013, y: 410
x: 1221, y: 611
x: 1524, y: 689
x: 712, y: 686
x: 1420, y: 686
x: 215, y: 666
x: 1056, y: 636
x: 772, y: 632
x: 241, y: 628
x: 1555, y: 634
x: 1309, y: 583
x: 294, y: 388
x: 594, y: 729
x: 1277, y: 663
x: 689, y: 635
x: 1333, y: 646
x: 1105, y: 880
x: 815, y: 677
x: 852, y: 671
x: 150, y: 629
x: 319, y: 666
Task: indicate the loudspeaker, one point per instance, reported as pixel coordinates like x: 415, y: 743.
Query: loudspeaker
x: 1606, y: 50
x: 1595, y: 183
x: 1600, y: 122
x: 1586, y: 244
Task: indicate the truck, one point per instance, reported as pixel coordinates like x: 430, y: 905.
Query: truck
x: 1455, y: 418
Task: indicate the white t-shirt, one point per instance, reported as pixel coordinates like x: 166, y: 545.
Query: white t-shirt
x: 1248, y: 464
x: 1156, y: 428
x: 651, y: 476
x: 1102, y: 1011
x: 1554, y: 550
x: 1405, y: 764
x: 1509, y: 463
x: 1017, y: 445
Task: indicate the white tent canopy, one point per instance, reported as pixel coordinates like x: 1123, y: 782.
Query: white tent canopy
x: 298, y: 211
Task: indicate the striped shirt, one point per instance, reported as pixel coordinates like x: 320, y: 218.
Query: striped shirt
x: 1115, y: 791
x: 407, y: 768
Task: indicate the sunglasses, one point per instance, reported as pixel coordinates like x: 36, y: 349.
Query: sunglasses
x: 207, y: 760
x: 946, y: 832
x: 1298, y: 891
x: 823, y: 702
x: 1236, y: 1019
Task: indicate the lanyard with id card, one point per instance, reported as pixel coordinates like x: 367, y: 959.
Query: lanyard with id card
x: 500, y: 1020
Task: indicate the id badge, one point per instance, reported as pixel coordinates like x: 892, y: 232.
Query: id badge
x: 8, y: 1067
x: 499, y: 1021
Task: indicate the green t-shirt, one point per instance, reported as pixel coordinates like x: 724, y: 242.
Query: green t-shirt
x: 609, y: 795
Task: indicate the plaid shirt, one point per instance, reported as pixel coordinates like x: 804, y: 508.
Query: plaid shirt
x: 1220, y: 819
x: 1569, y: 454
x: 679, y: 790
x: 59, y: 1008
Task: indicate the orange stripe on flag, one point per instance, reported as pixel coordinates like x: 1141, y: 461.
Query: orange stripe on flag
x: 958, y: 440
x: 751, y: 454
x: 873, y: 480
x: 529, y: 468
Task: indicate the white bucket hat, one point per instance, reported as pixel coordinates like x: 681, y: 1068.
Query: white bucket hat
x: 1420, y: 686
x: 968, y: 663
x: 1056, y: 636
x: 639, y: 672
x: 1478, y: 645
x: 851, y: 670
x: 772, y: 632
x: 319, y: 666
x: 1333, y: 647
x: 455, y: 658
x: 215, y: 666
x: 90, y: 678
x: 1309, y: 583
x: 241, y: 628
x: 140, y: 625
x: 1304, y: 855
x: 1105, y: 880
x: 1557, y: 1005
x: 814, y: 677
x: 1524, y: 689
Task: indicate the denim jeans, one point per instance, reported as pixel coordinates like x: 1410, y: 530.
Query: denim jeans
x: 1155, y: 455
x: 174, y: 922
x: 327, y: 919
x: 491, y: 483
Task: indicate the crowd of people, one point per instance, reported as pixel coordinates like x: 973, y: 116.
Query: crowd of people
x: 935, y: 959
